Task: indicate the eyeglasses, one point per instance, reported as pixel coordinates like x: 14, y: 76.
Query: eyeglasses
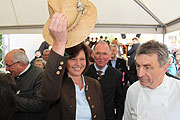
x: 11, y: 64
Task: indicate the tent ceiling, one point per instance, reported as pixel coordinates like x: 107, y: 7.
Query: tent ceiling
x: 122, y: 16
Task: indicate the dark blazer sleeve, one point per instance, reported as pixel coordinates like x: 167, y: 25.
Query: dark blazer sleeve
x: 52, y: 78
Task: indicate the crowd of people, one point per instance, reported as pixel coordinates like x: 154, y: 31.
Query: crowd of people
x: 80, y: 79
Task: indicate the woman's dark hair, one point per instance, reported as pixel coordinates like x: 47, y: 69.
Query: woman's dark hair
x: 74, y: 51
x: 7, y: 97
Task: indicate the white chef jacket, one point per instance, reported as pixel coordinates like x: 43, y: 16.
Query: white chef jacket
x: 161, y: 103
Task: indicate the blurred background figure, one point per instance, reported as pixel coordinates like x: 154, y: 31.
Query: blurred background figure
x: 87, y: 41
x: 7, y: 98
x: 46, y: 53
x: 172, y: 65
x: 40, y: 62
x: 44, y: 45
x: 118, y: 63
x: 132, y: 51
x: 37, y: 55
x: 106, y: 40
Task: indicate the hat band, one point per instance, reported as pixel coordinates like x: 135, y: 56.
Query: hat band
x: 80, y: 8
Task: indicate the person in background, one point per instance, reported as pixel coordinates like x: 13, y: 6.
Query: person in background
x: 37, y: 55
x: 119, y: 63
x: 106, y: 40
x: 28, y: 82
x: 40, y: 62
x: 173, y: 68
x: 155, y: 96
x: 100, y: 38
x: 7, y: 98
x: 132, y: 51
x: 110, y: 79
x: 46, y: 53
x: 132, y: 73
x: 70, y: 93
x: 177, y: 58
x: 44, y: 45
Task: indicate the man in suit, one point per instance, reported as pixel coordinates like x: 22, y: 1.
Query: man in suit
x: 28, y: 82
x: 118, y: 63
x: 110, y: 80
x: 132, y: 51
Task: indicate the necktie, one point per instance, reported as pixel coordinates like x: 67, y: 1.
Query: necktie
x: 99, y: 72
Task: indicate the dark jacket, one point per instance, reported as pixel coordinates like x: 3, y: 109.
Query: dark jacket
x: 132, y: 53
x: 121, y: 66
x: 111, y: 84
x: 132, y: 73
x: 28, y: 97
x: 59, y: 91
x: 44, y: 45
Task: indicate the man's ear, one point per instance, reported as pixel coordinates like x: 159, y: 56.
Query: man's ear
x: 165, y: 67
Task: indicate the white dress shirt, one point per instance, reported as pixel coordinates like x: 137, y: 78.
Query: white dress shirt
x: 83, y: 111
x: 161, y: 103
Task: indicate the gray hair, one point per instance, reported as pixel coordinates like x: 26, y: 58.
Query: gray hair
x: 152, y: 47
x: 114, y: 45
x: 20, y: 56
x: 46, y: 50
x: 101, y: 42
x: 41, y: 59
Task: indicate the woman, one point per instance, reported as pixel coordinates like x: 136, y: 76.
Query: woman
x: 71, y: 95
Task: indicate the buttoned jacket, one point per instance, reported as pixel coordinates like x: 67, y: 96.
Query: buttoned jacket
x: 121, y: 66
x: 111, y: 84
x: 59, y: 91
x: 28, y: 97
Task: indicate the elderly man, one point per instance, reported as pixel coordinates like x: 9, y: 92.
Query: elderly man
x: 110, y: 80
x: 46, y: 53
x: 155, y: 96
x: 28, y: 82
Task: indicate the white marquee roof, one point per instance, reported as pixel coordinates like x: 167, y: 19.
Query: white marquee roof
x: 119, y: 16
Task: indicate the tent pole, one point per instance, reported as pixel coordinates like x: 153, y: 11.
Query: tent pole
x: 149, y: 12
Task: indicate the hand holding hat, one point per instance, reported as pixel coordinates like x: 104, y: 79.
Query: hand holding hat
x: 58, y: 30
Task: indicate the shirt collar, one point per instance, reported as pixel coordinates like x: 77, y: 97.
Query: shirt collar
x: 25, y: 69
x: 114, y: 59
x: 103, y: 70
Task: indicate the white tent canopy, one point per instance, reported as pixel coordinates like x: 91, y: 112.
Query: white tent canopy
x: 118, y: 16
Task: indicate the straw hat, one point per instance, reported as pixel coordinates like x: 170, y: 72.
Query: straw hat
x: 81, y: 15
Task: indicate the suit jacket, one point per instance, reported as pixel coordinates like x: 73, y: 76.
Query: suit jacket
x: 132, y: 53
x: 121, y: 66
x: 111, y: 84
x: 59, y: 91
x: 29, y: 100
